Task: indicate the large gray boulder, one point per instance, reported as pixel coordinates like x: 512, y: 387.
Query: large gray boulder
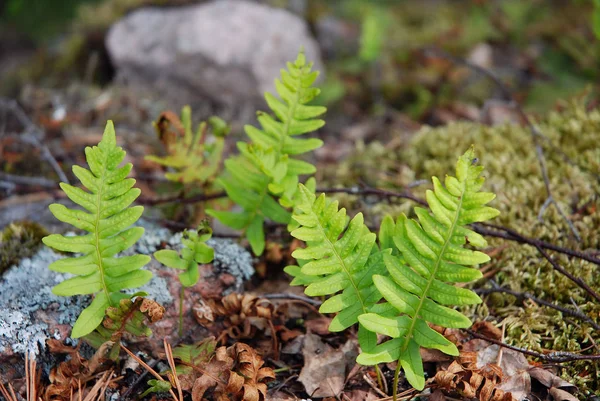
x: 228, y: 51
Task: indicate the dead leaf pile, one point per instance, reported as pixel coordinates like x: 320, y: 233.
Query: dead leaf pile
x: 469, y: 381
x: 234, y: 373
x: 243, y: 314
x: 70, y: 377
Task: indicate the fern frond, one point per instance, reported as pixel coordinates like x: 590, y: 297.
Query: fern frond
x: 264, y: 178
x: 190, y: 154
x: 106, y: 219
x: 431, y: 257
x: 339, y: 260
x: 194, y: 251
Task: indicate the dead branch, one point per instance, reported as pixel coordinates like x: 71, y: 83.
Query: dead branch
x: 552, y: 357
x: 524, y: 295
x: 32, y: 135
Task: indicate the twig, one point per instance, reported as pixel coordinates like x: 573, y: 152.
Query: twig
x: 148, y: 368
x: 33, y: 135
x: 525, y: 295
x: 24, y: 180
x: 483, y: 229
x: 571, y: 277
x: 491, y: 230
x: 373, y: 191
x: 293, y: 296
x: 535, y: 132
x: 181, y: 199
x: 552, y: 357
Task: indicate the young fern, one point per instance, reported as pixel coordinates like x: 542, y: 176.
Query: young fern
x: 194, y: 251
x: 107, y: 219
x: 339, y: 256
x: 189, y: 154
x: 431, y: 257
x: 266, y: 169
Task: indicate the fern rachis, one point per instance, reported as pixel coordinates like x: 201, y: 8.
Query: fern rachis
x: 106, y: 220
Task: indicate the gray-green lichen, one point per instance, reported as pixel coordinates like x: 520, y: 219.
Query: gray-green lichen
x: 29, y: 310
x: 571, y: 146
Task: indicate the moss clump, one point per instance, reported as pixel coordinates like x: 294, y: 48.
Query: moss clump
x: 513, y: 173
x: 19, y: 240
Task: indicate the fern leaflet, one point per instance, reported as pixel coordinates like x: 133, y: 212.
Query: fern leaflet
x: 266, y: 169
x: 107, y: 219
x: 432, y: 255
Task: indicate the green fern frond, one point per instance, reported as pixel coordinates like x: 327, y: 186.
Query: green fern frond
x: 263, y: 179
x: 194, y: 251
x: 190, y: 154
x: 339, y: 260
x: 431, y: 257
x: 107, y: 219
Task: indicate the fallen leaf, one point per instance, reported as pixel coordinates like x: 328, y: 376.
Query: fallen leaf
x: 324, y: 371
x: 561, y: 395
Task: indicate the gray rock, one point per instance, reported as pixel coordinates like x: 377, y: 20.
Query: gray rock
x: 30, y: 313
x: 229, y: 51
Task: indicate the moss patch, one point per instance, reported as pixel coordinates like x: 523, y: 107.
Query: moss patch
x: 19, y: 240
x: 572, y: 150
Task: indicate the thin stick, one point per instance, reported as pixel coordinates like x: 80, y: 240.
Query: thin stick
x: 33, y: 135
x: 571, y: 277
x: 552, y: 357
x: 525, y: 295
x: 286, y: 295
x: 149, y: 369
x: 181, y: 296
x: 535, y: 132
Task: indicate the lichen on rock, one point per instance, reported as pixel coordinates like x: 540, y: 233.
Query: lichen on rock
x: 31, y: 313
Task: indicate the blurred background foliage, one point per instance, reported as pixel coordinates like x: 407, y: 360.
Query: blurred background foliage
x: 375, y: 51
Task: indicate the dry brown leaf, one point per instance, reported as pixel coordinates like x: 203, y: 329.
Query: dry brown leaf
x: 561, y: 395
x: 152, y: 309
x: 67, y: 377
x: 235, y: 373
x: 324, y: 371
x: 244, y: 314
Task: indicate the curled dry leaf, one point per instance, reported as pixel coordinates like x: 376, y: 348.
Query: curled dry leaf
x: 463, y: 377
x: 234, y: 373
x: 243, y: 314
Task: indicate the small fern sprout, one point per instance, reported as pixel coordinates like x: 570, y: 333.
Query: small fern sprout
x: 191, y: 157
x: 431, y: 256
x: 195, y: 251
x: 107, y: 219
x: 263, y: 179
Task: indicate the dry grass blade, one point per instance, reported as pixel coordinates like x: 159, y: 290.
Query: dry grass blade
x: 169, y: 353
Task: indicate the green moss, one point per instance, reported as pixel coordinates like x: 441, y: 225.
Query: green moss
x: 513, y: 173
x: 19, y: 240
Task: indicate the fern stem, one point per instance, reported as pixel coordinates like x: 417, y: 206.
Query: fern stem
x: 396, y: 374
x: 181, y: 295
x: 432, y: 276
x: 97, y: 230
x: 290, y: 117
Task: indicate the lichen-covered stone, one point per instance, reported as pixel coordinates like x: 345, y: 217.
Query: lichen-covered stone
x: 571, y: 146
x: 30, y: 313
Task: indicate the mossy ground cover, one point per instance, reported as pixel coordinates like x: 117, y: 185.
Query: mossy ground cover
x: 513, y: 173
